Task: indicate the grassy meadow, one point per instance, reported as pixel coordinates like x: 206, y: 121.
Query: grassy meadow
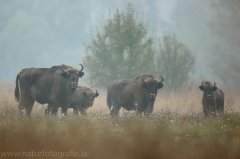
x: 176, y: 129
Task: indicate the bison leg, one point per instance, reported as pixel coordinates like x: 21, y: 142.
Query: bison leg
x: 213, y: 111
x: 54, y: 110
x: 29, y: 106
x: 23, y: 101
x: 48, y: 109
x: 220, y: 106
x: 139, y: 109
x: 139, y: 112
x: 64, y: 111
x: 114, y: 112
x: 83, y: 111
x: 21, y: 108
x: 115, y: 109
x: 75, y: 110
x: 206, y: 110
x: 148, y: 111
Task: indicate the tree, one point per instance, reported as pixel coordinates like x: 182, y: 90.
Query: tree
x: 225, y: 29
x: 122, y: 49
x: 175, y: 62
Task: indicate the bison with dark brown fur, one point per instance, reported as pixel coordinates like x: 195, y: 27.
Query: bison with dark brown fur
x: 212, y: 99
x: 82, y: 99
x: 133, y: 94
x: 54, y: 85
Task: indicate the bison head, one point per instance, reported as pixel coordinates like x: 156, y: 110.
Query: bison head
x: 90, y: 96
x: 152, y: 85
x: 207, y: 89
x: 72, y: 76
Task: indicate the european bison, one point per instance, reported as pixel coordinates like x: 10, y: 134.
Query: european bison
x: 212, y: 99
x: 82, y: 99
x: 133, y: 94
x: 54, y: 86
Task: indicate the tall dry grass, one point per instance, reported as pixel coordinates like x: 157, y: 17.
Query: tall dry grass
x: 177, y: 129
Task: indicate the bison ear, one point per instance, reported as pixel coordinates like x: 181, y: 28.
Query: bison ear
x: 160, y: 85
x: 64, y: 74
x: 81, y: 74
x: 214, y: 88
x: 201, y: 88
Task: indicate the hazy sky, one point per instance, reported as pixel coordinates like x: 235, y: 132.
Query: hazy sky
x: 43, y: 33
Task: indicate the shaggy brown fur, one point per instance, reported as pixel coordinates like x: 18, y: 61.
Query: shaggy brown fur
x: 53, y: 85
x: 212, y: 99
x: 133, y: 94
x: 82, y: 99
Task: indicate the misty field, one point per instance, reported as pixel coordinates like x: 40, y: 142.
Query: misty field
x: 176, y: 129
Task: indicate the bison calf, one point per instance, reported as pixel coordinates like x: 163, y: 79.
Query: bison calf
x: 133, y: 94
x: 212, y: 99
x: 82, y: 99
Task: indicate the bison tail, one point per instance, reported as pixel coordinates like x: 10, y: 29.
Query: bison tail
x: 109, y: 103
x: 17, y: 90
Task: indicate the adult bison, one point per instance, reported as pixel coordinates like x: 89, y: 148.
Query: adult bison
x: 54, y: 85
x: 212, y: 99
x: 82, y: 99
x: 133, y: 94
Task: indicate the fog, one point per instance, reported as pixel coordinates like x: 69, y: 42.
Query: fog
x: 43, y: 33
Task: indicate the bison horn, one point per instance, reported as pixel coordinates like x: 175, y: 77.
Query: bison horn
x: 96, y: 94
x: 82, y: 68
x: 143, y: 80
x: 202, y: 83
x: 63, y: 69
x: 161, y: 80
x: 214, y: 84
